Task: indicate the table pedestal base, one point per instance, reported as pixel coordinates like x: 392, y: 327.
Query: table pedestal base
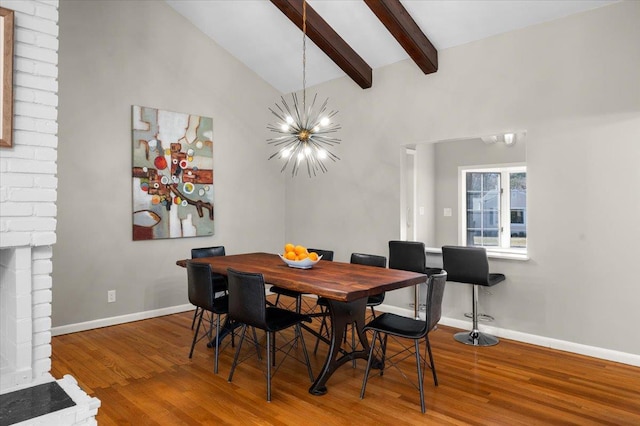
x: 342, y: 314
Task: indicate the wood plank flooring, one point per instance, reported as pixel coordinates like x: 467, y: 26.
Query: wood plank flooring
x: 143, y: 376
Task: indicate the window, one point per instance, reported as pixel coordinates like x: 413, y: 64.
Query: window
x: 494, y: 205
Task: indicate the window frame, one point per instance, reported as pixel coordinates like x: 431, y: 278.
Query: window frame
x: 505, y: 205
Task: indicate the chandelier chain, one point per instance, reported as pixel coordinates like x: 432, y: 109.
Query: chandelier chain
x: 304, y: 55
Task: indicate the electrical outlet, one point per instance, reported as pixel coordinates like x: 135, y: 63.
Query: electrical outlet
x: 111, y: 296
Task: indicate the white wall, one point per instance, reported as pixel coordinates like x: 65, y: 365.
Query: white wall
x: 114, y: 54
x: 572, y: 84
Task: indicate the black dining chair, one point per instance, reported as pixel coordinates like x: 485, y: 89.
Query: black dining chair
x: 372, y: 301
x: 218, y: 281
x: 399, y: 327
x: 248, y: 306
x: 410, y: 256
x: 470, y: 265
x: 203, y: 295
x: 296, y: 295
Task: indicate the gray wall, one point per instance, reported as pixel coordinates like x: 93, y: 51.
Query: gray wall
x: 572, y: 84
x: 114, y: 54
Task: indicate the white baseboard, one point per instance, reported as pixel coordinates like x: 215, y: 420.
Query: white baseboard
x: 106, y: 322
x: 562, y: 345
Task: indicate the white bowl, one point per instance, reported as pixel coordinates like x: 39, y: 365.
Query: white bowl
x: 300, y: 264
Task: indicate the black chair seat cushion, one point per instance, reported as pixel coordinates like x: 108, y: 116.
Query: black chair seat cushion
x: 279, y: 319
x: 397, y: 325
x: 220, y: 305
x: 495, y: 279
x: 219, y: 282
x: 375, y: 300
x: 285, y: 292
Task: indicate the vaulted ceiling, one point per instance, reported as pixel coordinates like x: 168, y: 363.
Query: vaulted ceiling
x: 351, y: 37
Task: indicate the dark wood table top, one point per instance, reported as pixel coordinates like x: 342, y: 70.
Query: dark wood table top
x: 334, y: 280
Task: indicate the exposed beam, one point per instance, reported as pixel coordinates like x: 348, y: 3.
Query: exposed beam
x: 402, y: 26
x: 321, y: 33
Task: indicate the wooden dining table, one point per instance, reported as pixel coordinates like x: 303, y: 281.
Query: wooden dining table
x: 346, y: 287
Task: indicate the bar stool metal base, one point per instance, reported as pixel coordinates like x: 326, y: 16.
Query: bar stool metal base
x: 476, y: 338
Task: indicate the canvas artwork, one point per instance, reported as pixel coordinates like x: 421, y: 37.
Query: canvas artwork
x: 172, y: 174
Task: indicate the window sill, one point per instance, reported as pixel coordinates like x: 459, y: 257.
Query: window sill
x: 492, y: 254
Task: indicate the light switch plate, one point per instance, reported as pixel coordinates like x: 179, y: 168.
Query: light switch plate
x: 447, y: 212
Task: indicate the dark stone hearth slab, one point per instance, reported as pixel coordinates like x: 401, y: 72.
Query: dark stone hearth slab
x: 33, y: 402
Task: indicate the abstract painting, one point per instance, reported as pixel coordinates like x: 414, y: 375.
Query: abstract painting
x: 172, y: 174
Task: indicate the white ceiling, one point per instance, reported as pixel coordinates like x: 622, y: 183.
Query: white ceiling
x: 266, y: 41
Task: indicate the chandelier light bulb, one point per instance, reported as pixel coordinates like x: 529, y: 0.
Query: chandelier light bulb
x: 316, y: 129
x: 284, y: 128
x: 289, y: 120
x: 324, y: 121
x: 322, y: 154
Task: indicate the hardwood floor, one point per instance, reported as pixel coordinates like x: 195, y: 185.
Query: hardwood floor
x: 143, y: 376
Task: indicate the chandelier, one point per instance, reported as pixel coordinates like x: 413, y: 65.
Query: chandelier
x: 305, y: 134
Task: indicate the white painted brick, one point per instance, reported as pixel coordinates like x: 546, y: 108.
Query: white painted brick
x: 19, y: 151
x: 41, y: 310
x: 24, y: 50
x: 46, y: 70
x: 16, y: 209
x: 30, y: 194
x: 42, y: 338
x: 4, y: 193
x: 46, y: 154
x: 41, y: 296
x: 15, y: 239
x: 41, y: 267
x: 47, y: 126
x: 37, y: 24
x: 35, y: 139
x: 45, y: 210
x: 41, y: 367
x: 41, y: 282
x: 17, y: 180
x: 20, y: 6
x: 22, y: 93
x: 32, y: 166
x: 35, y: 82
x: 24, y: 123
x: 23, y: 331
x: 43, y: 238
x: 41, y: 324
x: 23, y: 353
x: 45, y: 252
x: 47, y: 11
x: 31, y: 224
x: 45, y: 181
x: 4, y: 227
x: 35, y: 110
x: 24, y: 65
x: 46, y: 98
x: 40, y: 352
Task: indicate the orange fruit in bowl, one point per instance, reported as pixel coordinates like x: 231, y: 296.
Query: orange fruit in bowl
x: 300, y: 249
x: 290, y: 255
x: 302, y: 256
x: 289, y: 247
x: 313, y: 256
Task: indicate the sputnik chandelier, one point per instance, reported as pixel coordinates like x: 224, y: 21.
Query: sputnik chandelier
x: 305, y: 134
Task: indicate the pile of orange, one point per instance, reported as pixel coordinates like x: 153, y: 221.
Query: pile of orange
x: 293, y: 252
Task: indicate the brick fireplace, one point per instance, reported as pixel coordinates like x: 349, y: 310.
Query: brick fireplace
x: 28, y: 192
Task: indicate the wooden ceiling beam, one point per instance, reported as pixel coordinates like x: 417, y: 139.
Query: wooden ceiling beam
x: 321, y: 33
x: 402, y: 26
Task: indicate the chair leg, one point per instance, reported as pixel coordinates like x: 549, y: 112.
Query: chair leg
x: 269, y: 349
x: 420, y: 375
x: 475, y: 337
x: 304, y: 351
x: 433, y: 366
x: 384, y: 353
x: 353, y: 343
x: 195, y: 335
x: 235, y: 358
x: 217, y: 350
x: 195, y: 314
x: 366, y: 371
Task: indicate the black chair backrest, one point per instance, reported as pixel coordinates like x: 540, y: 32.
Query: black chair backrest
x: 407, y: 256
x: 326, y: 254
x: 207, y: 252
x: 369, y: 259
x: 247, y: 299
x: 435, y: 293
x: 200, y: 290
x: 466, y: 264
